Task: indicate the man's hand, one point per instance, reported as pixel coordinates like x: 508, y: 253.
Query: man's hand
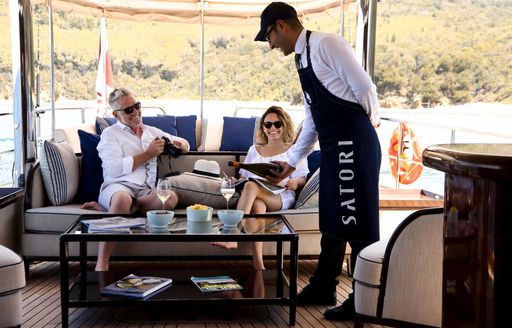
x: 279, y: 176
x: 155, y: 148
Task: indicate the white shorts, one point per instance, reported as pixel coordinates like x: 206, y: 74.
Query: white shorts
x: 287, y: 199
x: 133, y: 190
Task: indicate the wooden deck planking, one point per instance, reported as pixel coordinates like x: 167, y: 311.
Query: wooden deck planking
x: 41, y: 302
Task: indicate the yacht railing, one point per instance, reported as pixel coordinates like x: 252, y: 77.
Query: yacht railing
x: 427, y: 132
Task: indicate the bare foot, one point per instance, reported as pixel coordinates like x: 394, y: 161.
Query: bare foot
x: 101, y: 267
x: 92, y: 206
x: 258, y: 264
x: 225, y: 245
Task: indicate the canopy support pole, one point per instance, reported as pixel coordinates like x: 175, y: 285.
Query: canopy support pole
x: 52, y: 67
x: 201, y: 69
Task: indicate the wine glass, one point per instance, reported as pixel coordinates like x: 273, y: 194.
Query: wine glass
x: 163, y: 191
x: 227, y: 189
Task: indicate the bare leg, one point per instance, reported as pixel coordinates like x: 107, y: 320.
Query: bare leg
x: 119, y: 204
x: 254, y: 200
x: 151, y: 202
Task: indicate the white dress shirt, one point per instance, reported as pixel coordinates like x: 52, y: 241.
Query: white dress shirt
x: 117, y: 147
x: 339, y: 72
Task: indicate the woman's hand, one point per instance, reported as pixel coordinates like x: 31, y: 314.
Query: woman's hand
x: 291, y: 185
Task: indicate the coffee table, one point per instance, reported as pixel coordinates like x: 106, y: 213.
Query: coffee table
x: 84, y: 291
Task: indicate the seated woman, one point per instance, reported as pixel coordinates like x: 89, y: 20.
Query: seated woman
x: 274, y: 138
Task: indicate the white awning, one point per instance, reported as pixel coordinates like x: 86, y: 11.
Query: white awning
x: 215, y: 11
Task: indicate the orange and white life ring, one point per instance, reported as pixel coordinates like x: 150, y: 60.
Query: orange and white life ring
x: 410, y: 166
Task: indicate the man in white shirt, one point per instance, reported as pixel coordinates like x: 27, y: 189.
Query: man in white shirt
x: 129, y: 151
x: 341, y: 106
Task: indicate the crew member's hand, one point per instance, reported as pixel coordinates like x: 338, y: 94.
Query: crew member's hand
x: 279, y: 176
x: 155, y: 148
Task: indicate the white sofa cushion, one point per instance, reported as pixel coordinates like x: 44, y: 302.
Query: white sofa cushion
x: 369, y: 263
x: 60, y: 171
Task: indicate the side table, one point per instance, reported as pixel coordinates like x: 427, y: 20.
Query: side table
x: 477, y: 232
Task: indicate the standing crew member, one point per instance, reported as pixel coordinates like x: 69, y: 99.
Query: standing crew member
x: 341, y: 108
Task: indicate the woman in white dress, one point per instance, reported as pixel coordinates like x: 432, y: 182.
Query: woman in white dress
x: 273, y: 140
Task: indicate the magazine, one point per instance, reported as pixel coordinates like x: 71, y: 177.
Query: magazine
x: 114, y: 224
x: 136, y: 286
x: 216, y: 284
x: 273, y: 188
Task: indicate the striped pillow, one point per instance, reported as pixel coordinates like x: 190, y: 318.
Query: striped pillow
x: 308, y: 197
x: 60, y: 171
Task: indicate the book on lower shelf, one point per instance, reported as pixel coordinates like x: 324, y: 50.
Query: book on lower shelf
x: 216, y: 284
x: 139, y: 287
x: 116, y: 224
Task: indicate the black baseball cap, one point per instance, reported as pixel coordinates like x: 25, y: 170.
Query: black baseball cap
x: 269, y: 16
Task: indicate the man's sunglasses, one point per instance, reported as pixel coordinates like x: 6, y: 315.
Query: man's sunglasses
x: 128, y: 110
x: 268, y: 124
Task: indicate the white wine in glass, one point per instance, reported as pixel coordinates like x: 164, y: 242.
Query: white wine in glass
x: 227, y: 189
x: 163, y: 191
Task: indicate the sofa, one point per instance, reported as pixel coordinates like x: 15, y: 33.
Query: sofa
x: 49, y: 212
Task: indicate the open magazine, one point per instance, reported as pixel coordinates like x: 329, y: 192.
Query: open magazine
x: 133, y: 286
x: 116, y: 224
x: 273, y: 188
x: 216, y: 284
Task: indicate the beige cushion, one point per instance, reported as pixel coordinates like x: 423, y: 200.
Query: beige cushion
x: 70, y: 135
x: 197, y: 189
x: 60, y: 171
x: 12, y: 272
x: 369, y: 264
x: 211, y: 135
x: 308, y: 197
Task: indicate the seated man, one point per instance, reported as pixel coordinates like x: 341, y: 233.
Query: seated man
x: 129, y: 150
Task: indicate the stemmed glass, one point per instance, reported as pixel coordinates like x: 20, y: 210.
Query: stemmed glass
x: 227, y: 189
x: 163, y: 191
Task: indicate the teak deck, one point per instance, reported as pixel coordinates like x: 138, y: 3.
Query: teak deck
x: 41, y: 303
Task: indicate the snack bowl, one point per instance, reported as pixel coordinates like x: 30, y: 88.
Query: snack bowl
x: 159, y: 218
x: 199, y: 213
x: 230, y: 218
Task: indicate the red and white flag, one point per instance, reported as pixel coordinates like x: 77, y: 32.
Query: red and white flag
x: 104, y: 79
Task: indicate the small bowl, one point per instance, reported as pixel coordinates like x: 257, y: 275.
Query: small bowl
x: 230, y: 218
x: 199, y: 215
x: 159, y: 218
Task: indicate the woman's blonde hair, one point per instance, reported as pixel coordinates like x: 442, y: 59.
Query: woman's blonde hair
x: 288, y: 129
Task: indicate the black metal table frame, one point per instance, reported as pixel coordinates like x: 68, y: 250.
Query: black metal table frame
x: 68, y: 236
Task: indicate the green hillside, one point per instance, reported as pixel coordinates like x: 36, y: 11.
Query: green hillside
x: 427, y: 53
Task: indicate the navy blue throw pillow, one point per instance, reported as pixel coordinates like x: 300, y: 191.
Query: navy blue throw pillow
x: 166, y: 123
x: 237, y: 133
x: 313, y: 163
x: 91, y: 176
x: 186, y: 127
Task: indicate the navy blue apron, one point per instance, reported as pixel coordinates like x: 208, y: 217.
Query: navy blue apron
x: 349, y: 164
